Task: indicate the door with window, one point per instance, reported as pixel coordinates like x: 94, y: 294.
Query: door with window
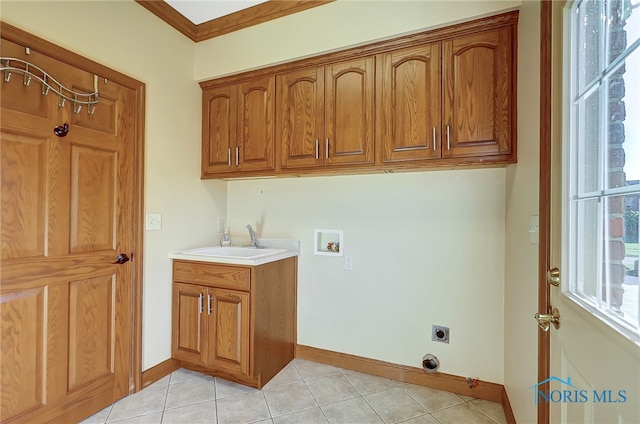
x: 595, y: 165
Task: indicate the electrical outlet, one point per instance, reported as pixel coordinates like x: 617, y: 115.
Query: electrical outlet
x: 153, y: 222
x: 221, y: 225
x: 348, y: 263
x: 440, y: 334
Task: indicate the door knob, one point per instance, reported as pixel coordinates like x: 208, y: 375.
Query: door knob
x: 544, y: 320
x: 553, y: 277
x: 121, y: 258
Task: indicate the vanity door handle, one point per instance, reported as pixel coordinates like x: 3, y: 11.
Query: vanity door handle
x: 326, y: 150
x: 229, y: 155
x: 317, y: 151
x: 209, y: 308
x: 448, y: 138
x: 237, y: 155
x: 200, y: 303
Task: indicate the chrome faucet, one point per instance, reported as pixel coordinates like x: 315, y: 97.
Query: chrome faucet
x: 254, y: 236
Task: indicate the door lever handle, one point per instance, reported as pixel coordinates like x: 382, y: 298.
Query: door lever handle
x: 121, y: 258
x: 544, y: 320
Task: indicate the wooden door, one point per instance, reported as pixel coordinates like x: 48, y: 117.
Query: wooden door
x: 409, y: 104
x: 229, y: 330
x: 67, y: 212
x: 478, y: 109
x: 188, y: 339
x: 255, y: 124
x: 219, y: 109
x: 300, y: 118
x: 349, y: 108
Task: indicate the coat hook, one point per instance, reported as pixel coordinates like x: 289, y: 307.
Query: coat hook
x: 27, y: 80
x: 7, y: 76
x: 77, y: 107
x: 61, y: 101
x: 62, y: 130
x: 45, y: 89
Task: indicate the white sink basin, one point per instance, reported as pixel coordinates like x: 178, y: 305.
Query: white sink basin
x: 233, y: 252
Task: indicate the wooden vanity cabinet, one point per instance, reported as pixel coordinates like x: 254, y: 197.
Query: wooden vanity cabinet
x: 234, y: 321
x: 325, y: 115
x: 238, y: 127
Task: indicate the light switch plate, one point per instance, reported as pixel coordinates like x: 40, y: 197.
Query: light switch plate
x: 153, y: 222
x: 534, y: 229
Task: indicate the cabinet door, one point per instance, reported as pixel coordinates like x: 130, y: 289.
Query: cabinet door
x: 188, y: 340
x: 219, y: 108
x: 409, y: 104
x: 478, y: 84
x: 228, y: 330
x: 255, y: 124
x: 300, y: 118
x: 349, y: 123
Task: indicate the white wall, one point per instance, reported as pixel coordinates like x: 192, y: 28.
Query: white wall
x: 521, y: 272
x: 126, y: 37
x: 428, y: 247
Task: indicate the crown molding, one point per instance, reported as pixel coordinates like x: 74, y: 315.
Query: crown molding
x: 254, y: 15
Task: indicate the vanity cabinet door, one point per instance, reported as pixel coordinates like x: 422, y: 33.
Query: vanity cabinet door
x: 228, y: 330
x: 188, y: 341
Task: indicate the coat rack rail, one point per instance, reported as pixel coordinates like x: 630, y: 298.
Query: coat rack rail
x: 10, y: 65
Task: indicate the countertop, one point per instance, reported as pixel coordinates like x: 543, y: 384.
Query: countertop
x: 287, y: 249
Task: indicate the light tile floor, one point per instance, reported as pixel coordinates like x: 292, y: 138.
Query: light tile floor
x: 303, y: 392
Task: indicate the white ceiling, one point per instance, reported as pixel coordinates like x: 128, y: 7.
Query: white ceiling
x: 199, y: 11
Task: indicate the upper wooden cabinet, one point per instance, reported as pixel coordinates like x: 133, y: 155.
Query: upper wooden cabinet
x: 325, y: 115
x: 478, y: 94
x: 409, y: 99
x: 444, y: 97
x: 237, y: 127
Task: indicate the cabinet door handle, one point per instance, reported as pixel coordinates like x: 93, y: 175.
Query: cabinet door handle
x: 237, y: 155
x: 209, y: 304
x: 434, y: 139
x: 200, y: 303
x: 317, y: 152
x: 448, y: 138
x: 326, y: 149
x: 229, y: 155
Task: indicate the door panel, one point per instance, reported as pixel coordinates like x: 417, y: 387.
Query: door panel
x: 91, y: 325
x: 67, y: 210
x: 93, y: 199
x: 22, y: 327
x: 255, y: 124
x: 300, y: 117
x: 23, y: 195
x: 219, y: 128
x: 410, y: 104
x: 349, y: 112
x: 188, y: 336
x: 229, y: 330
x: 478, y: 85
